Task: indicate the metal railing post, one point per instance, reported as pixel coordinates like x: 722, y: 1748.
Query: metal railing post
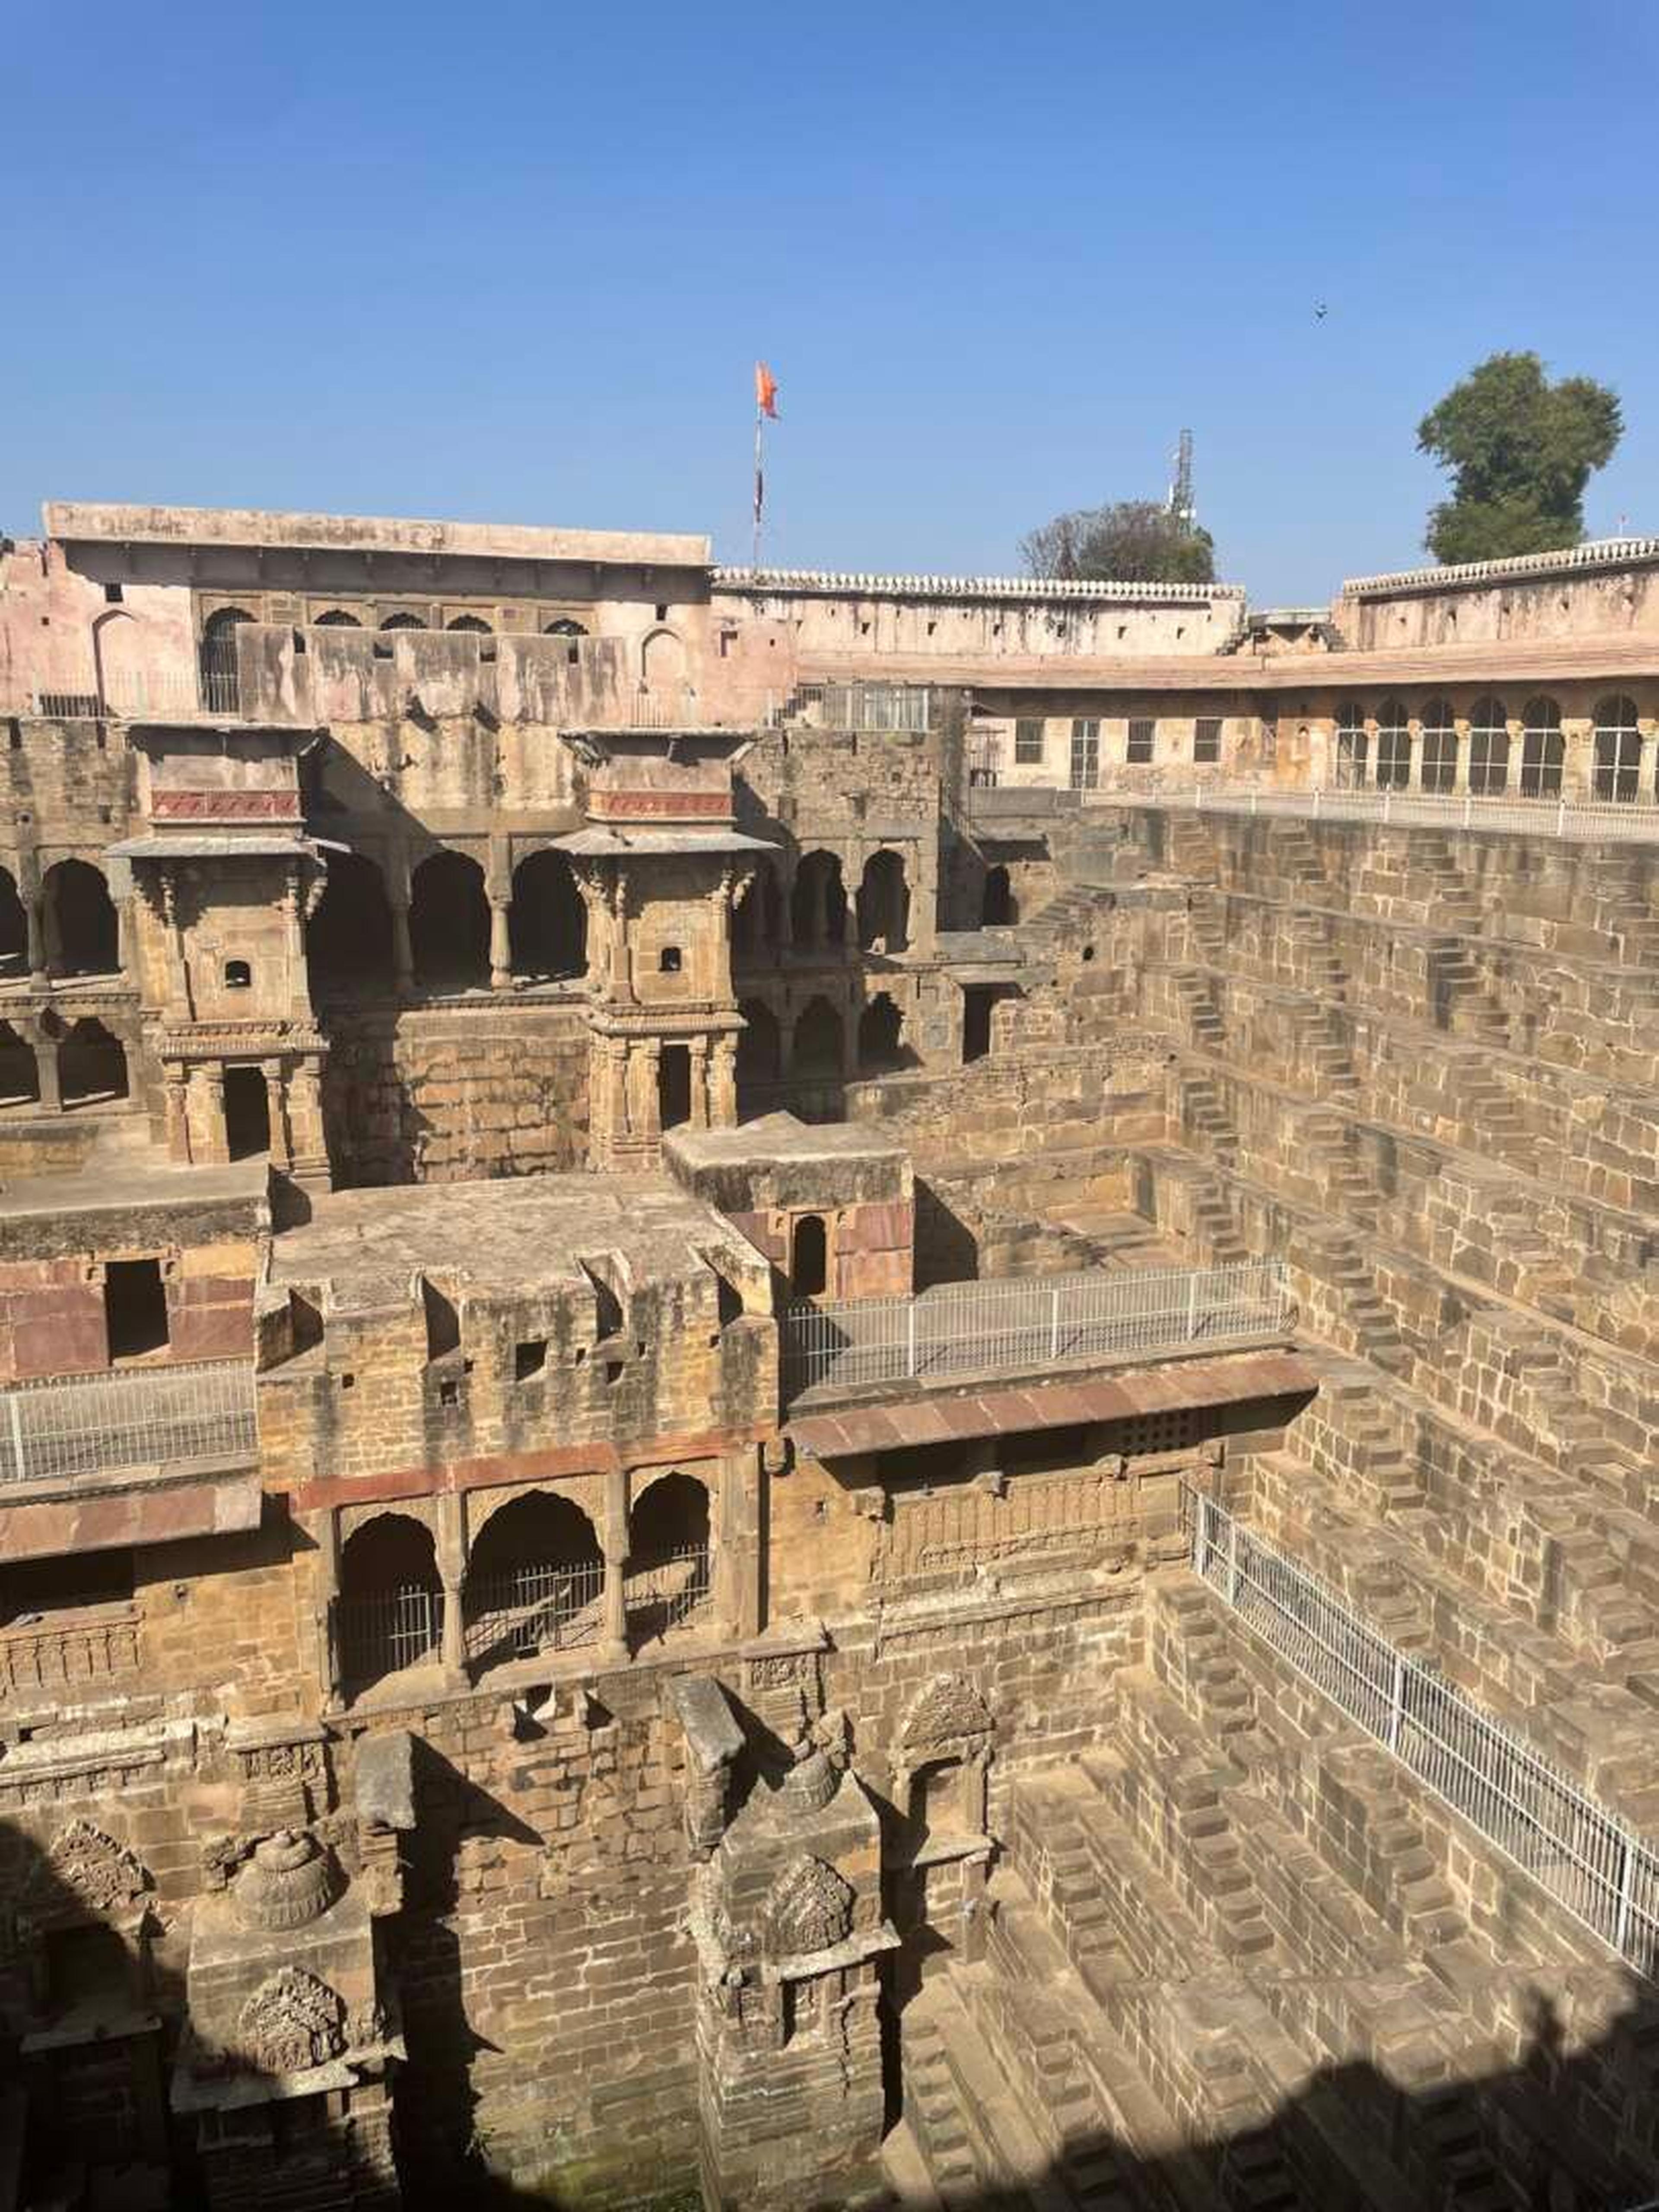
x: 1626, y: 1894
x: 910, y: 1340
x: 17, y: 1441
x: 1232, y: 1560
x: 1192, y: 1309
x: 1318, y: 795
x: 1396, y: 1700
x: 1054, y: 1324
x: 1561, y: 817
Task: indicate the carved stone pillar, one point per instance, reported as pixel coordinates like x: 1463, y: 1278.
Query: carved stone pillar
x: 452, y: 1566
x: 282, y: 1146
x: 501, y: 944
x: 700, y: 1114
x: 43, y: 915
x: 723, y: 1084
x: 613, y: 1537
x: 402, y: 954
x: 205, y: 1117
x: 307, y: 1141
x: 330, y: 1671
x: 45, y: 1069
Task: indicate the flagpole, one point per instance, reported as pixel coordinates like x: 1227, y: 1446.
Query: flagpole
x: 760, y: 481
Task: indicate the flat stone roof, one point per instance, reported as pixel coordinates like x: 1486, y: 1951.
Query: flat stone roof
x: 72, y: 520
x: 502, y: 1239
x: 780, y: 1137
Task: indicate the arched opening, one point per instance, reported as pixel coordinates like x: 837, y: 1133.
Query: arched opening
x: 881, y: 1036
x: 883, y: 904
x: 221, y: 688
x: 564, y: 627
x: 809, y: 1257
x: 403, y: 621
x: 1618, y: 750
x: 819, y: 1041
x: 757, y: 917
x: 662, y: 662
x: 674, y: 1087
x: 449, y: 923
x: 817, y: 903
x: 535, y: 1580
x: 247, y: 1113
x: 348, y: 937
x: 760, y: 1048
x: 1488, y: 746
x: 1394, y: 746
x: 1437, y: 770
x: 19, y: 1079
x: 997, y: 907
x: 390, y: 1606
x: 92, y: 1065
x: 473, y: 625
x: 81, y: 936
x: 1543, y: 749
x: 667, y: 1576
x: 547, y: 924
x: 14, y: 929
x: 1352, y: 748
x: 337, y: 618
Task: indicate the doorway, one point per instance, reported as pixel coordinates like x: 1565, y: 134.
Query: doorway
x: 247, y: 1113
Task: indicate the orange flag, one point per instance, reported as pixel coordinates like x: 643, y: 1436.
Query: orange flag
x: 766, y: 391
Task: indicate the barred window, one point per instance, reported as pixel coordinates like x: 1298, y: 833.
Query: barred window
x: 1488, y: 746
x: 1394, y: 746
x: 1543, y: 749
x: 1617, y: 749
x: 1352, y: 749
x: 1438, y: 770
x: 1206, y: 740
x: 1142, y: 730
x: 1028, y: 740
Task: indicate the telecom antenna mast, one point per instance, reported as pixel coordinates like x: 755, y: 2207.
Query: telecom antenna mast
x: 1180, y: 491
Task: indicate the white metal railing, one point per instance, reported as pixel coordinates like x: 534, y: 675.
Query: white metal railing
x: 540, y: 1606
x: 1029, y: 1321
x: 1633, y: 820
x: 72, y: 1425
x: 875, y: 707
x: 1596, y: 1867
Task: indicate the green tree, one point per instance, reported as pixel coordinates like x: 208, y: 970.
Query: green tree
x: 1133, y: 541
x: 1520, y: 450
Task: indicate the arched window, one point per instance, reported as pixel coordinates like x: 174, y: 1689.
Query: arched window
x: 81, y: 936
x: 337, y: 618
x: 449, y: 923
x: 1543, y: 749
x: 92, y: 1066
x: 881, y: 1036
x: 535, y: 1580
x: 348, y: 937
x: 14, y: 929
x: 1352, y: 748
x: 221, y: 688
x: 997, y: 907
x: 760, y: 1051
x: 817, y: 903
x: 883, y: 904
x: 667, y: 1575
x: 473, y: 625
x: 809, y: 1257
x: 1438, y: 771
x: 391, y: 1604
x: 1617, y: 749
x: 819, y: 1041
x: 1394, y: 746
x: 1488, y: 746
x: 547, y: 925
x: 669, y: 960
x: 564, y: 627
x: 238, y: 975
x: 404, y: 620
x: 20, y: 1081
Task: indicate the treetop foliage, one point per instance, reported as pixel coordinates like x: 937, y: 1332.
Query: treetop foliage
x: 1130, y: 541
x: 1520, y: 450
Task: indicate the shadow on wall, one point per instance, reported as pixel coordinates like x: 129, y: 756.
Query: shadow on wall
x: 92, y: 2002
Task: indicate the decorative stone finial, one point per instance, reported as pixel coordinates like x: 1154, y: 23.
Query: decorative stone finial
x: 289, y: 1881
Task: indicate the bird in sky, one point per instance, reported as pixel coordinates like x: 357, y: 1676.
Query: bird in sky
x: 1320, y: 311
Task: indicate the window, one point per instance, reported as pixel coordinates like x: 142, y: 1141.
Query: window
x: 1489, y: 747
x: 1142, y: 730
x: 809, y: 1257
x: 529, y: 1358
x: 1028, y: 741
x: 1618, y: 750
x: 669, y: 960
x: 1439, y: 769
x: 239, y: 976
x: 1394, y: 746
x: 135, y: 1308
x: 1352, y: 749
x: 1543, y: 749
x: 112, y: 595
x: 1086, y: 755
x: 1206, y: 740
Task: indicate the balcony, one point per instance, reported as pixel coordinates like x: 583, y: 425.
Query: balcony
x: 1029, y: 1324
x: 52, y: 1657
x: 66, y: 1426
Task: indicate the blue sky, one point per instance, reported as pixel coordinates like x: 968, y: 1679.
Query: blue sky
x: 514, y: 263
